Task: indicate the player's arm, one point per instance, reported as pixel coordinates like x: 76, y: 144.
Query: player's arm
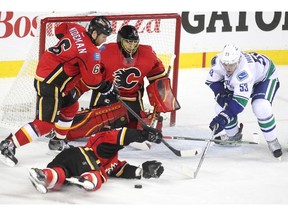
x: 215, y: 80
x: 241, y: 95
x: 114, y: 140
x: 149, y: 169
x: 222, y: 95
x: 158, y: 69
x: 81, y: 88
x: 62, y: 29
x: 159, y: 91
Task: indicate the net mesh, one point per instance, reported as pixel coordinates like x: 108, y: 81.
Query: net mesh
x: 19, y: 105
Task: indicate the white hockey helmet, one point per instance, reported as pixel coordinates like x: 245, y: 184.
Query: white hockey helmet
x: 230, y: 54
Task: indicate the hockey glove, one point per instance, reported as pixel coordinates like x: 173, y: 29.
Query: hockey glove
x: 152, y: 135
x: 152, y: 169
x: 223, y: 99
x: 220, y: 122
x: 110, y: 92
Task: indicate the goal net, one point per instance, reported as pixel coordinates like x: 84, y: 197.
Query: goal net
x: 161, y: 31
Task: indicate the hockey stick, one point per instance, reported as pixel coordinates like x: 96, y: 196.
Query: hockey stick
x: 183, y: 153
x: 207, y: 139
x: 170, y: 64
x: 203, y: 154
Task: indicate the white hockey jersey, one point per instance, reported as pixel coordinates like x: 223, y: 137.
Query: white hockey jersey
x: 252, y: 69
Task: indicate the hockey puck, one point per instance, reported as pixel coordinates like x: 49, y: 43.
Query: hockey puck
x: 138, y: 186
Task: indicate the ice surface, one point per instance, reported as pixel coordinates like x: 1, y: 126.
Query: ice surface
x: 248, y: 175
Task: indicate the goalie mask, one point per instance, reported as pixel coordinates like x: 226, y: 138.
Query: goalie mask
x: 128, y: 40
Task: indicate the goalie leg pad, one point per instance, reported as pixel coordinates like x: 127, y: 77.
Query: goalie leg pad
x: 88, y: 122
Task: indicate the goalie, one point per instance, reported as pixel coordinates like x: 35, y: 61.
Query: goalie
x: 124, y: 63
x: 90, y: 166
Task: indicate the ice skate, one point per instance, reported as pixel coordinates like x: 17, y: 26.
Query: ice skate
x: 7, y: 156
x: 58, y: 145
x: 81, y: 182
x: 233, y: 139
x: 275, y: 148
x: 38, y: 179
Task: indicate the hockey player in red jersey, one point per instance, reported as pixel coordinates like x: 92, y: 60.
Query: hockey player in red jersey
x: 132, y: 62
x: 126, y: 64
x: 90, y: 166
x: 74, y: 57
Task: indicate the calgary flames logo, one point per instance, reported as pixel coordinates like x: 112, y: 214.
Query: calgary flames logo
x: 126, y: 78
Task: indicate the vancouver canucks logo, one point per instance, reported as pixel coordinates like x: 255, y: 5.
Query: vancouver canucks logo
x: 126, y: 78
x: 242, y: 75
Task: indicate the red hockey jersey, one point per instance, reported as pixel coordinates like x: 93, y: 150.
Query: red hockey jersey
x: 72, y: 58
x: 113, y: 141
x: 128, y: 74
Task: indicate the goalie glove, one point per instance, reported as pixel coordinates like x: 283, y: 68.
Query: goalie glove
x: 152, y: 169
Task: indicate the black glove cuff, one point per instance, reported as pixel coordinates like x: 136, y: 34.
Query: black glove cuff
x: 104, y: 87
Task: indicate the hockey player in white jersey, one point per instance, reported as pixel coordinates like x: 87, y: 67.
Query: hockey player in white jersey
x: 235, y: 77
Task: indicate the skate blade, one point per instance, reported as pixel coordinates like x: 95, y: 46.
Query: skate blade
x: 87, y: 184
x: 39, y: 187
x: 7, y: 161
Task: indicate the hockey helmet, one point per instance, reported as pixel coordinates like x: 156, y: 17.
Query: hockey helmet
x: 230, y: 55
x: 128, y: 33
x: 100, y: 24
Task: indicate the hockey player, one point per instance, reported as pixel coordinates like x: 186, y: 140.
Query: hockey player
x: 90, y: 166
x: 124, y: 63
x: 235, y: 77
x: 132, y: 62
x: 74, y: 57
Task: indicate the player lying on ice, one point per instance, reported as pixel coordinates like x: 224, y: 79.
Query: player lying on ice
x: 90, y: 166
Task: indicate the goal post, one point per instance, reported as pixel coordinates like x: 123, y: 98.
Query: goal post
x: 161, y: 31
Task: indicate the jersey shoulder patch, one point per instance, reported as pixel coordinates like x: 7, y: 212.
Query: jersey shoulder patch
x: 103, y: 47
x: 213, y: 61
x: 242, y: 75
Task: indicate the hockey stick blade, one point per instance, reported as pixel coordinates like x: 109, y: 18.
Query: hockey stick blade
x: 183, y: 153
x: 207, y: 139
